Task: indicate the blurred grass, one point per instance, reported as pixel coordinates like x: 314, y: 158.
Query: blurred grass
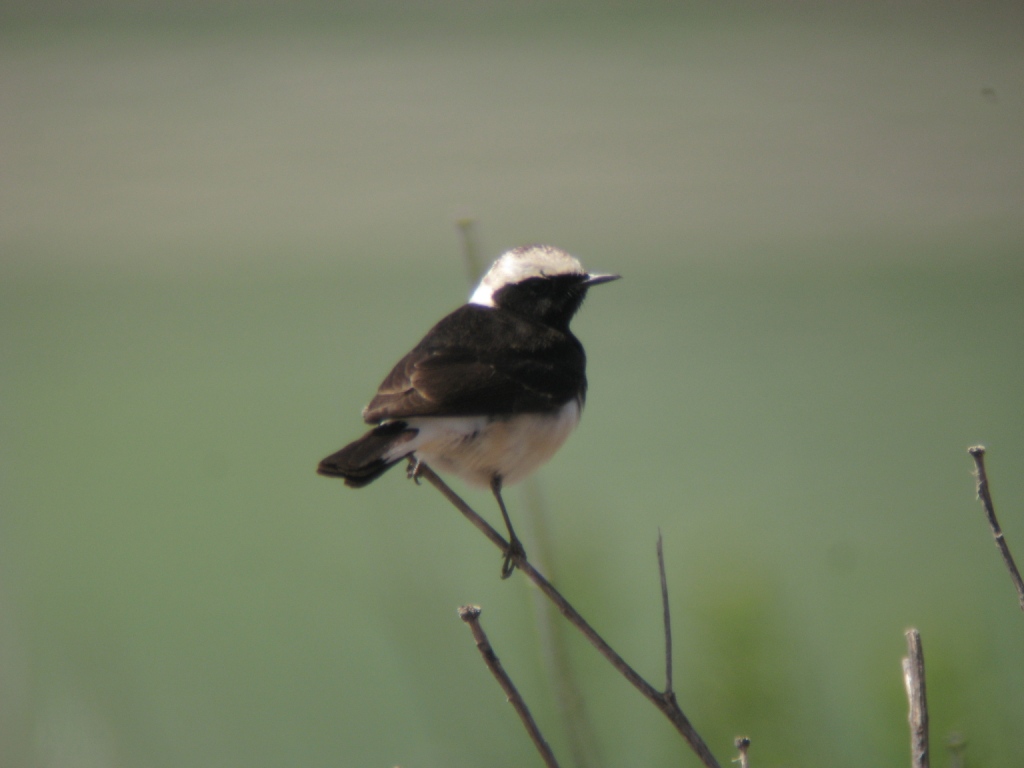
x: 216, y: 238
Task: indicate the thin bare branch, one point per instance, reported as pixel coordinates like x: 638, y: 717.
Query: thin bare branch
x: 666, y: 616
x: 913, y: 679
x: 471, y: 615
x: 665, y: 702
x: 978, y: 454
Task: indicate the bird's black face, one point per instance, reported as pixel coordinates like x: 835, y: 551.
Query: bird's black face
x: 552, y: 300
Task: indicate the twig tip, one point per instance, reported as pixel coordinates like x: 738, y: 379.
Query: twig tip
x: 742, y: 743
x: 470, y: 613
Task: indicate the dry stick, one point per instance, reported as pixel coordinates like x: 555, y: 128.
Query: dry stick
x: 666, y: 617
x: 913, y: 679
x: 471, y: 615
x: 666, y: 702
x: 978, y: 454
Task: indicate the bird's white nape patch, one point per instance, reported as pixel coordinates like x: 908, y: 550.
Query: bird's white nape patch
x: 521, y: 264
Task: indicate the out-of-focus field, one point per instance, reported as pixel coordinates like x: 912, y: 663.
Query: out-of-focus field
x: 217, y: 232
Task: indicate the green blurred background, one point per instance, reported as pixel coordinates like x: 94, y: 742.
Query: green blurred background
x: 221, y: 223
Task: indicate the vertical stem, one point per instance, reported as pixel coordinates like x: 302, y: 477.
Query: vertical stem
x: 579, y: 730
x: 913, y: 679
x: 666, y: 617
x: 470, y: 247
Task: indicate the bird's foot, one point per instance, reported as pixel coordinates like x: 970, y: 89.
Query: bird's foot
x: 514, y: 555
x: 413, y: 470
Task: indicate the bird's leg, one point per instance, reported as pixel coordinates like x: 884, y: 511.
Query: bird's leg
x: 413, y: 470
x: 515, y: 549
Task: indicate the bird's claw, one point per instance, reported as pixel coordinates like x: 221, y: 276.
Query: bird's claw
x: 513, y: 556
x: 413, y: 470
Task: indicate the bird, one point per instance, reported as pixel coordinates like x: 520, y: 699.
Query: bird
x: 492, y: 391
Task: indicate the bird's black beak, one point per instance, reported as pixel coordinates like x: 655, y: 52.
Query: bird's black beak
x: 598, y: 279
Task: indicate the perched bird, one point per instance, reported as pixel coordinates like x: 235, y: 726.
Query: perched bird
x: 492, y: 390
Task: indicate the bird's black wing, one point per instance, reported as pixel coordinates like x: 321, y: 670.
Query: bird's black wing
x: 480, y: 360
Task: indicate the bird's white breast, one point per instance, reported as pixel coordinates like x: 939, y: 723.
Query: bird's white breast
x: 476, y: 448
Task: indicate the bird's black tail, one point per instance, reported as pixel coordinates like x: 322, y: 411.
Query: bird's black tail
x: 366, y: 459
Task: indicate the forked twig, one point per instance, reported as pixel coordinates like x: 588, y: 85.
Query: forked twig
x: 471, y: 615
x: 917, y: 716
x: 978, y: 454
x: 665, y: 702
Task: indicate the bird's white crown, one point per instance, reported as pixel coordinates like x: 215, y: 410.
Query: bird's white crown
x: 521, y: 264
